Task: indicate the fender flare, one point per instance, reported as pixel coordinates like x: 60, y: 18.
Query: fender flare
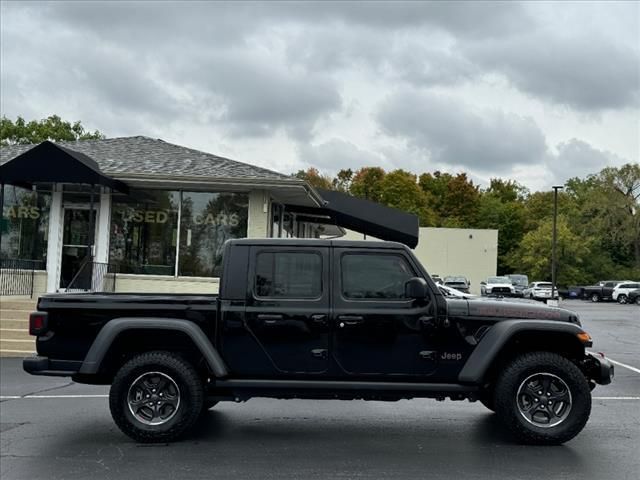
x: 497, y: 337
x: 115, y: 327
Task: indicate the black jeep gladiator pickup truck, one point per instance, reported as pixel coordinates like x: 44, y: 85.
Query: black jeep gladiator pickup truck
x: 319, y: 319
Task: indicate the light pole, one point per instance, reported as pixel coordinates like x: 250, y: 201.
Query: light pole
x: 553, y: 245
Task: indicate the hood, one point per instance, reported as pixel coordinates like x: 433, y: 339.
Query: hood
x: 509, y: 310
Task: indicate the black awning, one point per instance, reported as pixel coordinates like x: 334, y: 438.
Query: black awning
x: 366, y: 217
x: 51, y: 163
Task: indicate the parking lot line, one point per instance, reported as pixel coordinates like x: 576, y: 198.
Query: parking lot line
x: 633, y: 369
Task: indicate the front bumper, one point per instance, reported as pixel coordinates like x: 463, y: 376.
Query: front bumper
x: 598, y: 368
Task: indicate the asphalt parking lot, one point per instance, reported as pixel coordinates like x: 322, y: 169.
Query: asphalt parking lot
x: 53, y: 429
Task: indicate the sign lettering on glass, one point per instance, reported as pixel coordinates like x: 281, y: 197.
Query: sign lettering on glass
x: 231, y: 220
x: 22, y: 212
x: 145, y: 216
x: 161, y: 216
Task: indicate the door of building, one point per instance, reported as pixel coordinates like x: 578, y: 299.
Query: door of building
x: 77, y: 241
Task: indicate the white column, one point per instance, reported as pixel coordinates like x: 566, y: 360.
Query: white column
x: 54, y: 240
x: 104, y: 223
x: 258, y: 220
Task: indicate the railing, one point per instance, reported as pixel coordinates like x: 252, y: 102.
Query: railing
x: 94, y: 277
x: 17, y: 275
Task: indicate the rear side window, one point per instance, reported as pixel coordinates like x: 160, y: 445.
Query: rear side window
x: 366, y: 276
x: 288, y: 275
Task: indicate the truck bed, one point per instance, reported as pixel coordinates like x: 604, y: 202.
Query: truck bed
x: 76, y: 319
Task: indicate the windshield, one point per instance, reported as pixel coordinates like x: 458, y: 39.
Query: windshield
x: 498, y: 280
x: 455, y: 280
x: 519, y: 280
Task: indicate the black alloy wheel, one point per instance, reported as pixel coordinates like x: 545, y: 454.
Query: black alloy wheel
x: 543, y: 398
x: 156, y: 397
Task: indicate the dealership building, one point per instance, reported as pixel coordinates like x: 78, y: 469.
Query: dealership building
x: 137, y: 214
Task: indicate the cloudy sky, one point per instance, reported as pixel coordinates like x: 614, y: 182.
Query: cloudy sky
x: 537, y: 92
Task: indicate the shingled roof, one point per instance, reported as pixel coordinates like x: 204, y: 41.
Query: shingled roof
x: 142, y: 155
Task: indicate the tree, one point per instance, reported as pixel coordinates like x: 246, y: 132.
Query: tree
x: 455, y: 198
x: 399, y: 189
x: 52, y: 128
x: 507, y: 191
x: 533, y: 256
x: 314, y: 178
x: 621, y: 198
x: 366, y: 183
x: 342, y: 181
x: 508, y: 217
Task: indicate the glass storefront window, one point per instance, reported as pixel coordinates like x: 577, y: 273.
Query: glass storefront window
x: 24, y: 224
x: 207, y: 221
x: 144, y: 228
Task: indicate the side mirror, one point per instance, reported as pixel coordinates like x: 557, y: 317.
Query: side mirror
x: 483, y: 283
x: 416, y: 287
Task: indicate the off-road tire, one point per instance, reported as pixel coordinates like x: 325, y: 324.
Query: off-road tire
x: 532, y: 363
x: 190, y: 394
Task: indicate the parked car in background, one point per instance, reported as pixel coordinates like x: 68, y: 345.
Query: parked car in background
x: 454, y: 293
x: 458, y: 282
x: 519, y: 281
x: 621, y: 292
x: 497, y: 286
x: 634, y: 297
x: 539, y: 291
x: 603, y: 291
x: 436, y: 278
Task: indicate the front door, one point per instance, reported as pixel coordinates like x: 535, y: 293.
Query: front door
x: 377, y: 331
x: 76, y: 237
x: 287, y: 308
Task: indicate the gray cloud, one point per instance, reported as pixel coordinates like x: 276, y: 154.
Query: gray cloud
x: 246, y: 92
x: 336, y: 154
x: 251, y: 71
x: 449, y: 133
x: 577, y: 158
x: 256, y: 96
x: 588, y: 72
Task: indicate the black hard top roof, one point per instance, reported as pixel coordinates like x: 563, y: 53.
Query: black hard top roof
x: 316, y: 242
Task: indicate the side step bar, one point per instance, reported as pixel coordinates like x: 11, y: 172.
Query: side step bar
x: 345, y: 385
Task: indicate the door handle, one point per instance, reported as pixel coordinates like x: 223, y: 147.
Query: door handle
x: 319, y: 319
x: 269, y: 319
x: 350, y: 320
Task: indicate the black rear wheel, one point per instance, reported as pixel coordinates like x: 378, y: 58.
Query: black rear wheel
x: 595, y: 298
x: 543, y: 398
x: 156, y: 397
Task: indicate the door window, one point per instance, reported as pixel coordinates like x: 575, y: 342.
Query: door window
x: 378, y: 276
x: 288, y: 275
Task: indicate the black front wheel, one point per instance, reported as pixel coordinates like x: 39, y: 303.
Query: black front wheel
x: 156, y: 397
x: 622, y: 299
x: 543, y: 398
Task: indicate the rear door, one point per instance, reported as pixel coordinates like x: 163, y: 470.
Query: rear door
x: 287, y: 306
x: 376, y: 330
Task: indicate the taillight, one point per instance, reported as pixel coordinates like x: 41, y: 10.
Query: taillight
x: 38, y: 323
